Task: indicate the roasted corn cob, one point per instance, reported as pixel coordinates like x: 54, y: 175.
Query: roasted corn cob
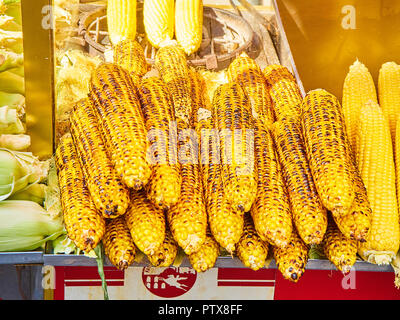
x: 84, y: 225
x: 164, y: 186
x: 159, y: 21
x: 233, y: 120
x: 245, y: 71
x: 270, y: 211
x: 309, y: 215
x: 189, y: 24
x: 358, y: 88
x: 285, y: 93
x: 250, y: 249
x: 328, y: 151
x: 205, y: 258
x: 341, y: 251
x: 199, y: 99
x: 118, y: 243
x: 146, y: 223
x: 121, y: 20
x: 109, y: 194
x: 292, y: 259
x: 121, y: 121
x: 375, y: 161
x: 166, y: 254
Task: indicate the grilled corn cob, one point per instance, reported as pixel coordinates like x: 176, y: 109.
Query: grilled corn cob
x: 389, y: 94
x: 188, y: 217
x: 118, y: 243
x: 341, y: 251
x: 199, y: 99
x: 121, y: 20
x: 233, y: 120
x: 205, y: 258
x: 292, y: 259
x: 146, y: 223
x: 159, y: 21
x: 164, y: 186
x: 189, y: 24
x: 358, y: 88
x: 271, y: 211
x: 109, y: 194
x: 121, y: 122
x: 166, y: 254
x: 309, y: 215
x: 245, y: 71
x: 129, y: 54
x: 84, y: 225
x: 375, y: 161
x: 250, y: 249
x: 328, y: 150
x: 285, y: 93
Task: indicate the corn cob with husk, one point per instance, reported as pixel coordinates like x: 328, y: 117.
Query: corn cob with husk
x: 205, y: 258
x: 285, y: 93
x: 271, y: 210
x: 375, y: 161
x: 233, y: 119
x: 309, y: 215
x: 84, y: 225
x: 246, y: 72
x: 164, y: 186
x: 118, y: 243
x: 292, y: 259
x: 165, y: 255
x: 250, y: 249
x: 146, y: 223
x: 109, y: 194
x: 358, y: 88
x: 121, y: 20
x: 121, y: 122
x: 327, y: 150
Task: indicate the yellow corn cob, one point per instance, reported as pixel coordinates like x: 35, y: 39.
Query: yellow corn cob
x: 166, y: 254
x: 375, y: 161
x: 121, y: 20
x: 171, y: 63
x: 118, y: 243
x: 233, y: 119
x: 250, y: 249
x: 205, y: 258
x: 397, y: 159
x: 292, y: 259
x: 199, y: 99
x: 119, y: 114
x: 358, y: 88
x: 129, y: 54
x: 159, y: 21
x: 309, y: 215
x: 164, y: 186
x: 84, y: 225
x: 271, y: 211
x: 146, y: 223
x: 248, y: 74
x: 341, y: 251
x: 109, y: 194
x: 389, y: 94
x: 285, y: 93
x: 188, y: 217
x: 328, y: 151
x: 189, y: 24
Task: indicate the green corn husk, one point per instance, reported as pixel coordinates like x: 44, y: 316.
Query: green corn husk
x: 11, y: 82
x: 52, y: 202
x: 11, y: 99
x: 15, y: 142
x: 35, y: 192
x: 9, y: 60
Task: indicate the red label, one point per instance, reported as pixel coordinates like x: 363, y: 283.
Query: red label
x: 168, y: 282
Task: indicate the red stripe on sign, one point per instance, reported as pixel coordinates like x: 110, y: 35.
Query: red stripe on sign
x: 59, y: 289
x: 91, y: 273
x: 245, y: 274
x: 246, y: 284
x: 93, y: 283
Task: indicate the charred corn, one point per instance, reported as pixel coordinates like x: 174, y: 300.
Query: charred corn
x: 109, y: 194
x: 233, y: 120
x: 121, y: 20
x: 121, y: 121
x: 245, y: 71
x: 328, y: 150
x: 164, y: 186
x: 84, y: 225
x: 166, y: 254
x: 285, y: 93
x: 205, y: 258
x: 199, y: 99
x: 309, y: 215
x: 146, y: 223
x: 118, y: 243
